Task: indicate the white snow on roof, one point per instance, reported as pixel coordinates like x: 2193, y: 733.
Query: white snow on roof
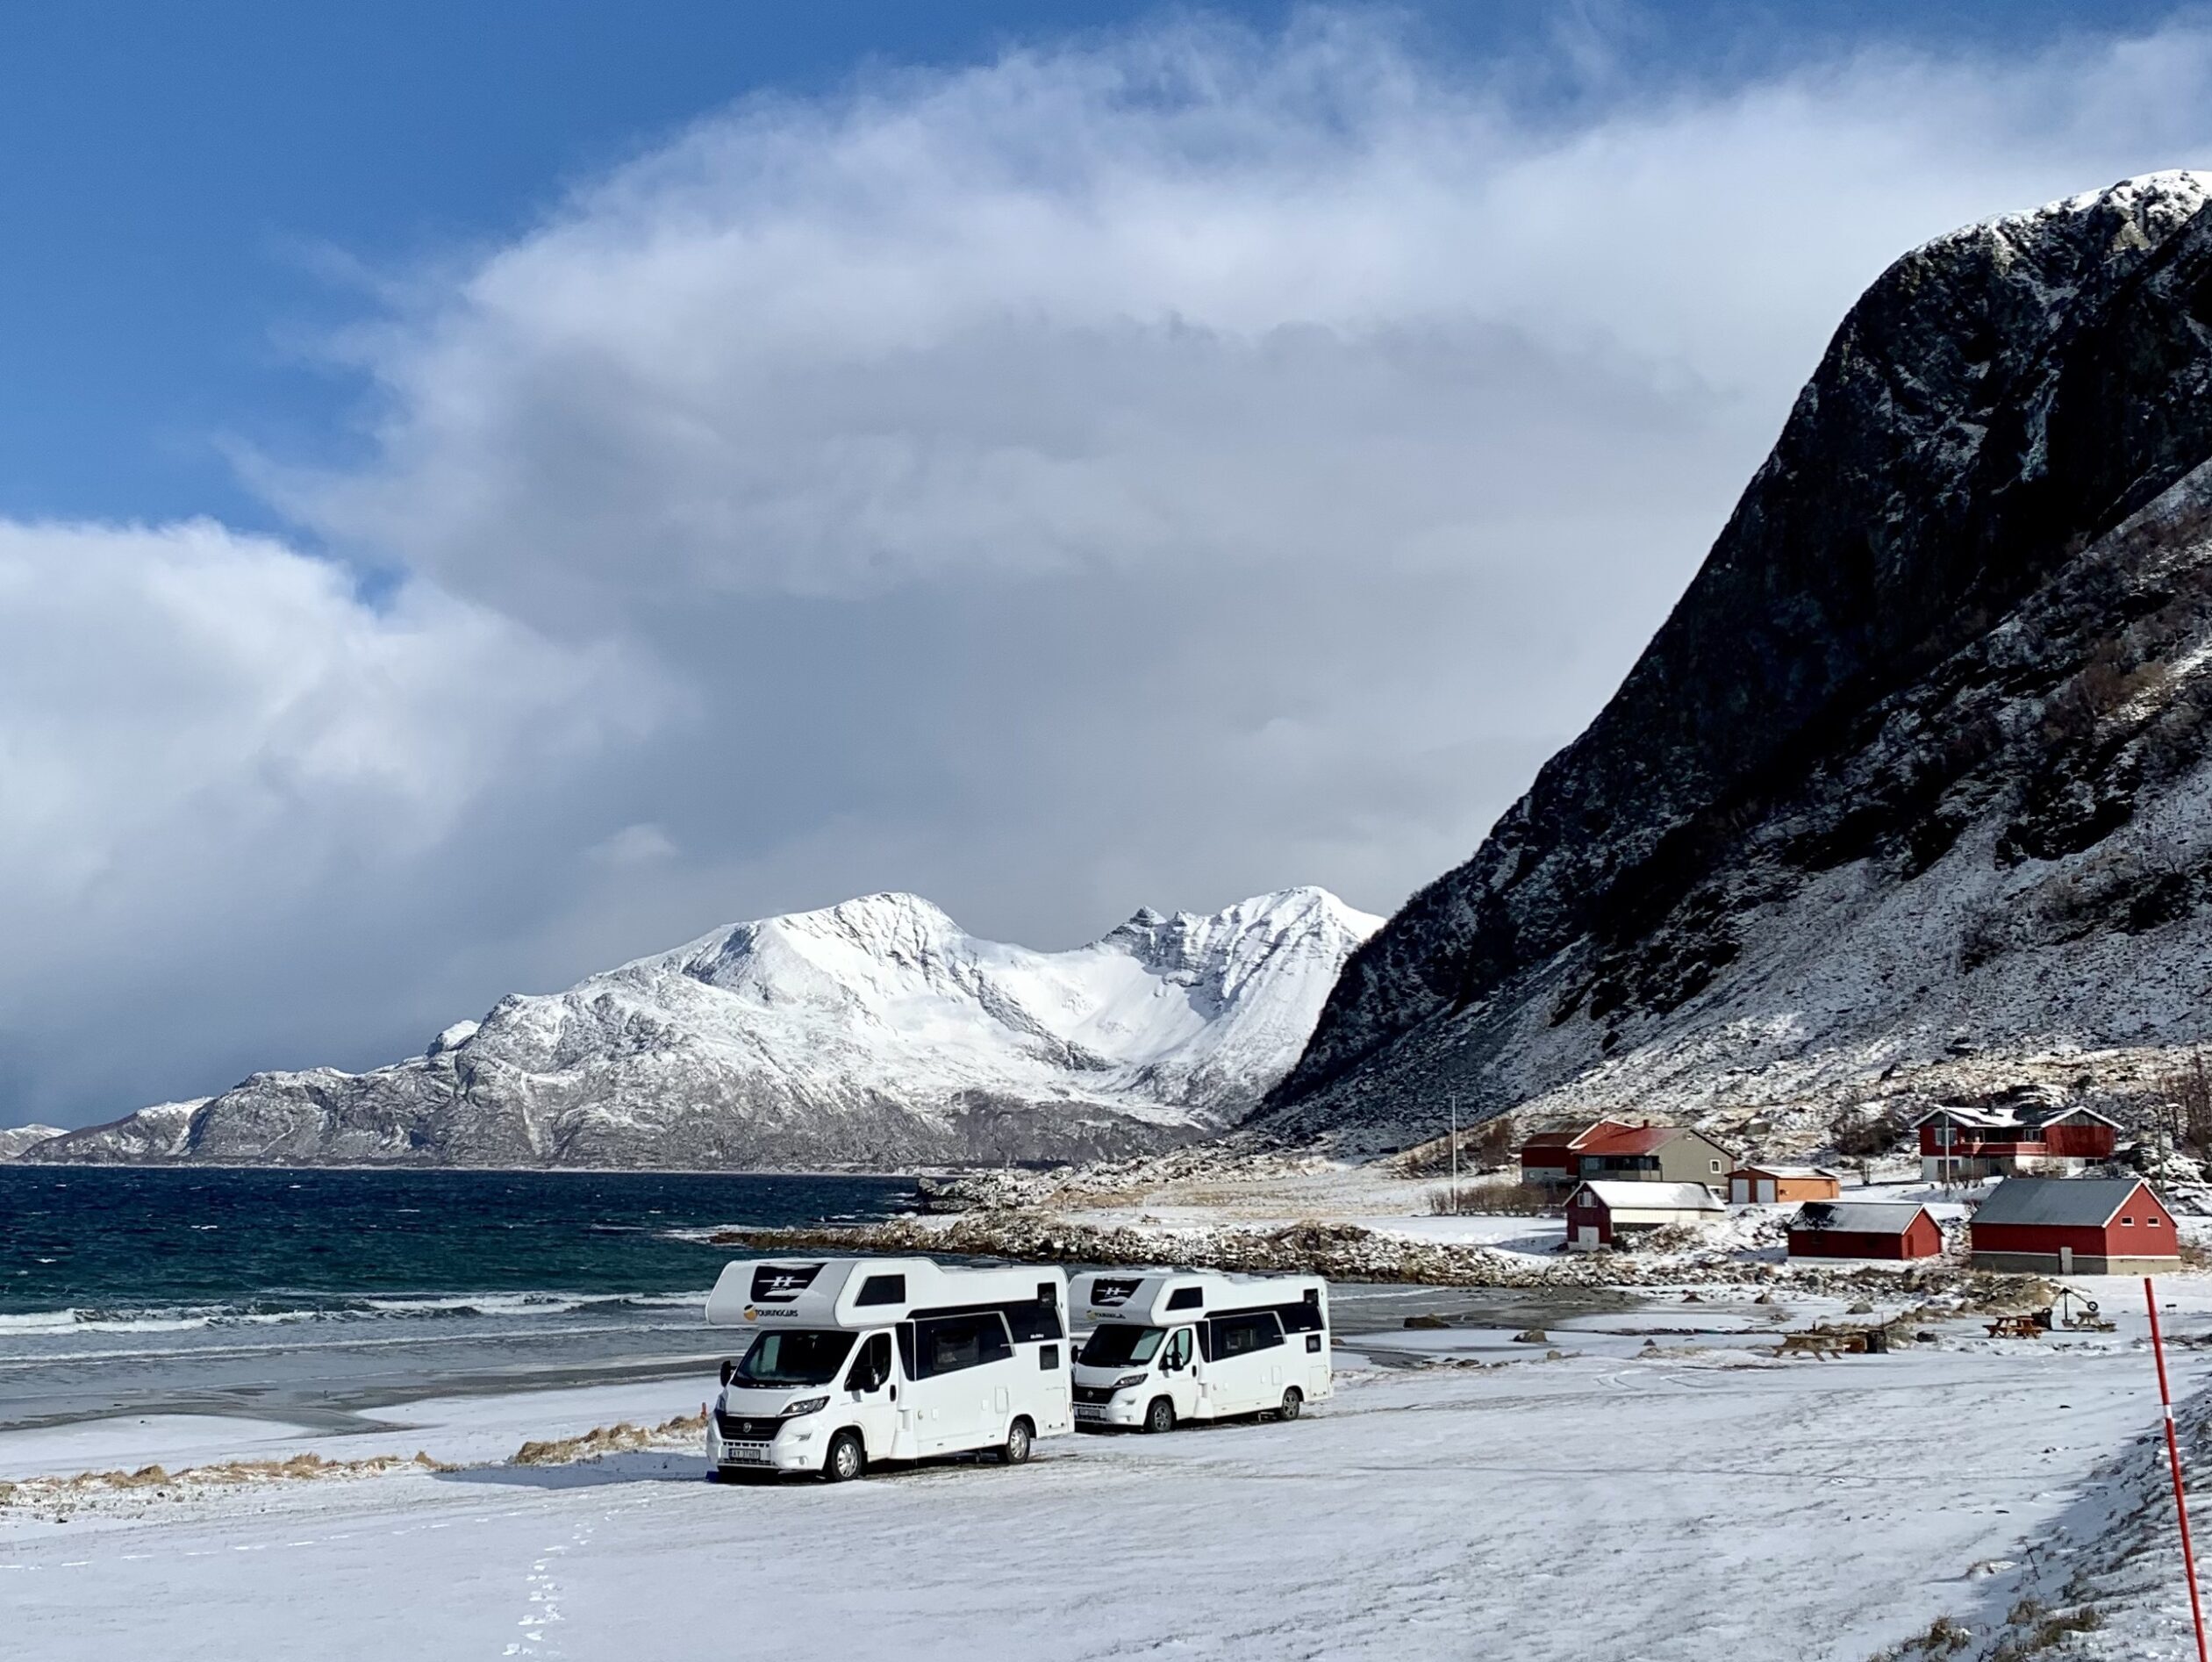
x: 1788, y: 1171
x: 1655, y: 1197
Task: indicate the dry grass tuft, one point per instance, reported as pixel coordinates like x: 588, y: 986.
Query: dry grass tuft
x: 227, y: 1473
x: 620, y: 1438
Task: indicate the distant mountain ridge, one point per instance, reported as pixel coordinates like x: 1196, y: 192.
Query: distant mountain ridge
x: 15, y: 1139
x: 1911, y: 793
x: 873, y: 1033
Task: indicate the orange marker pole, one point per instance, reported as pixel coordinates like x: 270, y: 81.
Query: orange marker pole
x: 2173, y: 1459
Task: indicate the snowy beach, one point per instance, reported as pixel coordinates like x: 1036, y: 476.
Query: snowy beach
x: 1644, y: 1495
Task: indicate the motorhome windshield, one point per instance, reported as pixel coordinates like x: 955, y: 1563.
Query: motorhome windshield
x: 1119, y: 1345
x: 794, y: 1356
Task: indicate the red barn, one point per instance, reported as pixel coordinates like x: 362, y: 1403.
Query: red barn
x: 1994, y: 1142
x: 1863, y: 1230
x: 2075, y: 1226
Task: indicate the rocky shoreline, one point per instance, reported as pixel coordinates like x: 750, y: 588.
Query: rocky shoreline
x: 1347, y: 1252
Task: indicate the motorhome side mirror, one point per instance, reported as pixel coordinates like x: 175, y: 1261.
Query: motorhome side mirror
x: 728, y: 1368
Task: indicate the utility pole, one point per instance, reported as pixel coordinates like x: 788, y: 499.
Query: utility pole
x: 1455, y: 1153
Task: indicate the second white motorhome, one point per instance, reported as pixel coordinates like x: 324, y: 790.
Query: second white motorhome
x: 855, y: 1360
x: 1171, y: 1346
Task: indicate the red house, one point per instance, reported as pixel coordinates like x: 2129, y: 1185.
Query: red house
x: 1553, y: 1158
x: 1863, y: 1230
x: 1994, y: 1142
x: 2075, y: 1226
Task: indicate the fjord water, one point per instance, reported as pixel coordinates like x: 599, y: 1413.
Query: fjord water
x: 306, y: 1296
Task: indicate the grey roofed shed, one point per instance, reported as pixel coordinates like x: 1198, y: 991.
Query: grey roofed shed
x: 1859, y: 1217
x: 2081, y: 1202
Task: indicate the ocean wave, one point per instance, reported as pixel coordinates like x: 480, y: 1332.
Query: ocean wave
x: 267, y: 1311
x: 332, y: 1339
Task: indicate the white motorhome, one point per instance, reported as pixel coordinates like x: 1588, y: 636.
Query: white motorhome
x: 853, y: 1360
x: 1169, y: 1346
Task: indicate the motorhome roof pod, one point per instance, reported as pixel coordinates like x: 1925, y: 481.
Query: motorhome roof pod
x: 865, y: 1292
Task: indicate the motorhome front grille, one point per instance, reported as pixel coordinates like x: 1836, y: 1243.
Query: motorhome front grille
x: 1094, y: 1393
x: 736, y: 1430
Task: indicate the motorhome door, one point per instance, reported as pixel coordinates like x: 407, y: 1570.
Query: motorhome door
x: 1176, y: 1367
x: 871, y: 1390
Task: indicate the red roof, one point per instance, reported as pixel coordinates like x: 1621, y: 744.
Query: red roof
x: 1629, y: 1139
x: 1570, y: 1139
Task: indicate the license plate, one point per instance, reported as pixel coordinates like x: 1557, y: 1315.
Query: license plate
x: 1085, y: 1411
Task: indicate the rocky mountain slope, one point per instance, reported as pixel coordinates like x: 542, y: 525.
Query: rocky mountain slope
x: 1910, y: 793
x: 873, y: 1033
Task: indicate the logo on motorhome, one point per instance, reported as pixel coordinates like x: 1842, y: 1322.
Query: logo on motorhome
x: 781, y: 1283
x: 1109, y: 1294
x: 751, y: 1315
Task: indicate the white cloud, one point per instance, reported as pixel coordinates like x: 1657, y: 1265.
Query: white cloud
x: 227, y: 773
x: 1179, y: 464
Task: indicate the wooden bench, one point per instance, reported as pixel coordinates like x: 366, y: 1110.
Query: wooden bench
x: 2016, y: 1326
x: 1823, y: 1342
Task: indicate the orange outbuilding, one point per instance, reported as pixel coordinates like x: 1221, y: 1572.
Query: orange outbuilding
x: 1769, y: 1185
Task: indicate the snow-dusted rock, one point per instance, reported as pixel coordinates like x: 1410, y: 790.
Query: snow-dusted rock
x: 871, y: 1032
x: 1912, y: 788
x: 16, y: 1139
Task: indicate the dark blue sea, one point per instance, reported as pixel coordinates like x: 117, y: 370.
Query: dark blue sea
x: 310, y: 1294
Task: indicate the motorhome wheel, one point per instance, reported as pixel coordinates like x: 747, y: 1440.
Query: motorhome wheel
x: 1161, y: 1416
x: 1292, y: 1402
x: 846, y: 1458
x: 1017, y: 1448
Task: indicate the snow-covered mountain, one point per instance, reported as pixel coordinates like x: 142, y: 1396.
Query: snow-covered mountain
x: 872, y: 1033
x: 14, y: 1139
x: 1911, y: 797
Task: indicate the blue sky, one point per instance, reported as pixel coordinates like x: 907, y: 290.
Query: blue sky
x: 489, y: 491
x: 192, y: 185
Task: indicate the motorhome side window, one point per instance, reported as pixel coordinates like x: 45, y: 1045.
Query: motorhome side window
x: 883, y: 1289
x: 1241, y: 1334
x: 1030, y: 1322
x: 1187, y: 1299
x: 948, y: 1344
x: 1301, y: 1318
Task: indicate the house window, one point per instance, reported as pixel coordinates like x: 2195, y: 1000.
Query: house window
x: 1713, y: 1165
x: 2127, y: 1223
x: 2150, y: 1223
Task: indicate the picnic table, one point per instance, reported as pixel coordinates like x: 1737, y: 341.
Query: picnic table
x: 2024, y: 1325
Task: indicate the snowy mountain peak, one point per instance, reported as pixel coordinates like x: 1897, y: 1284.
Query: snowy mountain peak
x: 873, y: 1032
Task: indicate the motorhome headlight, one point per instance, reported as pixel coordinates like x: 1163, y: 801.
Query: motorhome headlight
x: 1130, y: 1381
x: 807, y: 1405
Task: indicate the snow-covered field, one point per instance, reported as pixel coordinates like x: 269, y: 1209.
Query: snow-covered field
x: 1652, y: 1495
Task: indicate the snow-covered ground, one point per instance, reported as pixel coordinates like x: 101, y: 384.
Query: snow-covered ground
x: 1658, y: 1493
